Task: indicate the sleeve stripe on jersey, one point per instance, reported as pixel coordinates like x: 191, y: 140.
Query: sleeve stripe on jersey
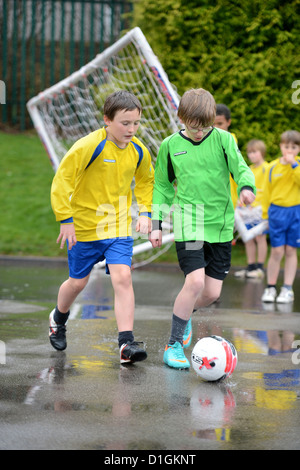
x: 139, y: 151
x: 97, y: 152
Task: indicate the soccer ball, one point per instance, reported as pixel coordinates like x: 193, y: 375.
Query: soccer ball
x: 214, y: 358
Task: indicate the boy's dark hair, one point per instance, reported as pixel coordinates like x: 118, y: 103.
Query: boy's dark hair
x: 290, y: 137
x: 197, y: 107
x: 223, y: 110
x: 120, y: 100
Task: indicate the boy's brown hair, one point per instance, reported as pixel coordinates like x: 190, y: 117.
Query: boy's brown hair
x: 197, y: 107
x: 290, y: 136
x: 118, y: 101
x: 256, y: 144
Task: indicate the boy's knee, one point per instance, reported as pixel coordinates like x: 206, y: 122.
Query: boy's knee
x: 78, y: 285
x: 290, y: 251
x: 122, y: 278
x: 211, y: 297
x: 277, y: 253
x: 125, y: 280
x: 195, y: 284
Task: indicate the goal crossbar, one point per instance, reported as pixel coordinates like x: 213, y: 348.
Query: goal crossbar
x: 48, y: 118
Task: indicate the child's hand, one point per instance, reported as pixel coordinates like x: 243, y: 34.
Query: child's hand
x: 67, y: 232
x: 155, y: 238
x: 143, y: 224
x: 289, y: 158
x: 247, y: 197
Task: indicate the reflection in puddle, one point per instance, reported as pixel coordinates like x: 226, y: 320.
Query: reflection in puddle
x: 212, y: 408
x: 267, y: 378
x: 98, y: 404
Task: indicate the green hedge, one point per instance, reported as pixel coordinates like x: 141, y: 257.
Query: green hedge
x: 246, y: 54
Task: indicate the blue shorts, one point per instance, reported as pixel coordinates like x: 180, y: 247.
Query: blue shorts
x: 84, y: 255
x: 284, y: 226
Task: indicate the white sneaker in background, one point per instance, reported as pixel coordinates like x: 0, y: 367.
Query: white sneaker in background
x: 286, y: 296
x: 240, y: 274
x: 255, y: 274
x: 269, y: 294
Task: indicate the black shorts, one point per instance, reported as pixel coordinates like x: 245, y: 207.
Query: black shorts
x: 214, y: 257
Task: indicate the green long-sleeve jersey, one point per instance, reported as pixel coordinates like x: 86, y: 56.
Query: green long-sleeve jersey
x: 194, y: 179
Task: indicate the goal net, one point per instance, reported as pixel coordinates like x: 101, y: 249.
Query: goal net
x: 249, y: 223
x: 73, y: 107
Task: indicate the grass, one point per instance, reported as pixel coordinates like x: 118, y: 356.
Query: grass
x: 28, y: 225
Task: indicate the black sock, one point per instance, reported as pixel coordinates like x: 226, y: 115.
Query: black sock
x: 271, y: 285
x: 60, y: 318
x: 177, y: 330
x: 125, y: 337
x: 251, y: 267
x: 260, y: 266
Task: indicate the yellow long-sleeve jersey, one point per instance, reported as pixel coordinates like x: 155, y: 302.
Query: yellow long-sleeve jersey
x: 282, y: 186
x: 260, y: 172
x: 92, y: 186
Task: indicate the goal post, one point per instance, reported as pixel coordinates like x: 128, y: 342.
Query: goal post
x: 249, y: 223
x: 73, y: 107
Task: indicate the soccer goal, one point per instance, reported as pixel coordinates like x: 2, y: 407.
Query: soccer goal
x: 73, y: 107
x: 248, y: 222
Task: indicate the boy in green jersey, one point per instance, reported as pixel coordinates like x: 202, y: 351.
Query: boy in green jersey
x: 199, y: 159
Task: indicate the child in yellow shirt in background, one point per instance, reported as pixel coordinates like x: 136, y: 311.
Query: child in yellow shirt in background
x: 223, y: 121
x: 223, y: 118
x: 281, y: 205
x: 256, y: 152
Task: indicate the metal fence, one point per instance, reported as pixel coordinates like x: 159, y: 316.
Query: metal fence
x: 44, y: 41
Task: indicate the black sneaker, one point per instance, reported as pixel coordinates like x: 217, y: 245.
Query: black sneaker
x: 131, y: 352
x: 57, y: 334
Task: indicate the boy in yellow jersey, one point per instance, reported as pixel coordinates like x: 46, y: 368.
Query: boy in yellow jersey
x: 256, y: 151
x: 223, y: 118
x: 281, y: 205
x: 91, y: 197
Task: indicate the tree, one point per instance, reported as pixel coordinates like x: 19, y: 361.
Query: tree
x: 244, y: 53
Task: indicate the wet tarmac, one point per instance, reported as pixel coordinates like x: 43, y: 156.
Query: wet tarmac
x: 83, y: 399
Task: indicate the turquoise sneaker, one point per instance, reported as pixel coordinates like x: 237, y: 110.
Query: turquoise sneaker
x: 187, y: 335
x: 174, y: 356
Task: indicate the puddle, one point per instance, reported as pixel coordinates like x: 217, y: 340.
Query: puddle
x: 83, y: 399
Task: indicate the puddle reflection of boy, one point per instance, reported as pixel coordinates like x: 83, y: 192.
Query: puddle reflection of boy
x: 200, y: 159
x: 92, y: 180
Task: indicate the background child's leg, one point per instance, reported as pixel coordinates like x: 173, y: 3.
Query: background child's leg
x: 290, y: 266
x: 250, y: 247
x: 274, y: 264
x: 262, y: 249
